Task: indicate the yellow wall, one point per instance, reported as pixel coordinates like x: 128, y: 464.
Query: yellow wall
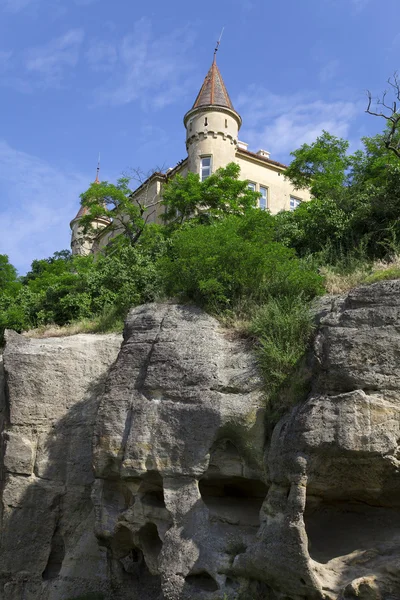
x: 211, y: 132
x: 279, y: 188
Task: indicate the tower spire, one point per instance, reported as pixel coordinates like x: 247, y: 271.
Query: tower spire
x: 97, y: 180
x: 217, y: 46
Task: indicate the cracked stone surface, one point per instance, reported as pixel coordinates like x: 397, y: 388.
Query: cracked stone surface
x: 178, y: 452
x: 48, y: 403
x: 331, y: 522
x: 191, y: 499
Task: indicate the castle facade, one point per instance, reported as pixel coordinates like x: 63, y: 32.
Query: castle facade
x: 212, y: 141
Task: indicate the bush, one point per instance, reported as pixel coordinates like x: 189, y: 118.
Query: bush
x: 65, y: 289
x: 221, y: 265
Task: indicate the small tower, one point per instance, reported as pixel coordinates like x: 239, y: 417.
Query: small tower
x: 212, y: 126
x: 82, y: 243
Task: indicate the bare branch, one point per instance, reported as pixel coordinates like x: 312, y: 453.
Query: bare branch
x: 390, y: 114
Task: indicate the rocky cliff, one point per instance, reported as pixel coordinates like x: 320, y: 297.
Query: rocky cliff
x: 145, y: 470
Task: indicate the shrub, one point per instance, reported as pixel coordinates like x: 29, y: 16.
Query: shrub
x: 218, y: 266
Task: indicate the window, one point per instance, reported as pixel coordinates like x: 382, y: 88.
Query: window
x: 263, y: 201
x: 205, y: 122
x: 205, y: 167
x: 226, y: 122
x: 251, y: 186
x: 294, y: 203
x: 190, y: 124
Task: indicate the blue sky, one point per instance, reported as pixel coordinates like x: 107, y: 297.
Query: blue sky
x: 82, y: 76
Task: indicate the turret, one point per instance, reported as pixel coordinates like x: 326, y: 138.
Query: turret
x: 212, y: 126
x: 82, y: 243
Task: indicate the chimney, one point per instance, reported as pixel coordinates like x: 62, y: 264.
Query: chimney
x: 264, y: 153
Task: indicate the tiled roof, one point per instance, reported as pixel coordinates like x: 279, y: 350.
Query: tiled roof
x: 213, y: 90
x: 84, y: 210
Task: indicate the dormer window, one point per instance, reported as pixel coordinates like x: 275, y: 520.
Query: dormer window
x: 205, y: 167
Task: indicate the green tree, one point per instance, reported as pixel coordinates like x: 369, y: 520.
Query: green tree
x: 8, y: 275
x: 321, y: 166
x: 222, y: 193
x: 114, y: 202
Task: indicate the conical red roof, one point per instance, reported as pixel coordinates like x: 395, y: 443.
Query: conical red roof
x: 84, y: 210
x: 213, y: 90
x: 81, y: 212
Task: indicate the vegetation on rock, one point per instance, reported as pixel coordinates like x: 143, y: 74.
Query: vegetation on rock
x: 217, y: 250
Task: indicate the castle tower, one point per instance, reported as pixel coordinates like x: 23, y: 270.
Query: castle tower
x: 82, y: 243
x: 212, y: 126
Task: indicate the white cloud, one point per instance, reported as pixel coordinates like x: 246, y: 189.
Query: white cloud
x: 37, y: 202
x: 49, y: 61
x: 152, y: 69
x: 329, y: 71
x: 281, y: 124
x: 101, y: 55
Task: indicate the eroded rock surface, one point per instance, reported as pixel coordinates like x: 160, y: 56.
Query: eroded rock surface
x: 178, y: 454
x: 48, y: 550
x: 331, y: 523
x: 192, y: 500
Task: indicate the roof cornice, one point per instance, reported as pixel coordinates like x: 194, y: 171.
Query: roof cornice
x: 213, y: 108
x: 260, y: 159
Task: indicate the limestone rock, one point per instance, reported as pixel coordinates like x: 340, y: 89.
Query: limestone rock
x: 178, y: 453
x: 191, y: 499
x: 48, y: 405
x: 332, y: 513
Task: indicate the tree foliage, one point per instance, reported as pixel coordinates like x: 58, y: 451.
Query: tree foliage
x: 357, y: 208
x: 215, y: 248
x: 321, y: 166
x: 222, y: 193
x: 8, y: 275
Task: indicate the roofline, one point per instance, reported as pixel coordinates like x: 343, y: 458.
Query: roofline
x: 156, y: 175
x: 262, y: 159
x: 100, y: 219
x: 160, y: 176
x: 213, y: 108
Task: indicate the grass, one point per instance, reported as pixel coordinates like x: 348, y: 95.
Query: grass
x: 282, y: 329
x: 108, y: 322
x: 339, y: 280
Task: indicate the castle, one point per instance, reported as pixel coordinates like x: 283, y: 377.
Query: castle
x: 212, y: 130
